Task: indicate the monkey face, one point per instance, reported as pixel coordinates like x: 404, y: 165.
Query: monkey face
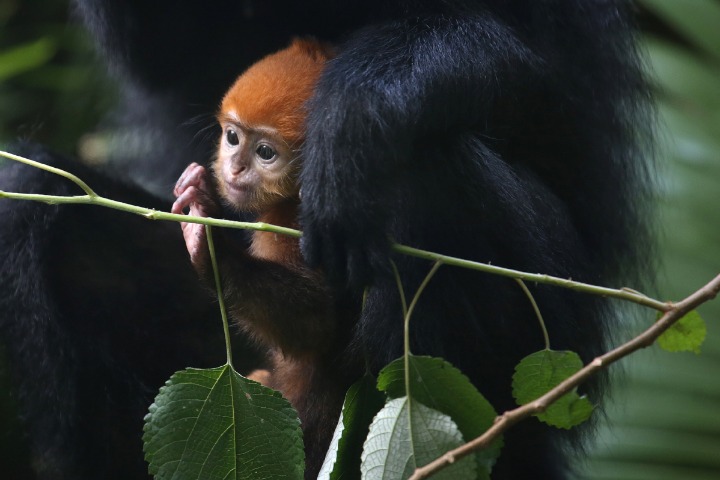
x: 255, y: 168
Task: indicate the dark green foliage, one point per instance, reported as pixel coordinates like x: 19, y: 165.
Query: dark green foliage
x: 362, y: 402
x: 437, y: 384
x: 405, y: 435
x: 687, y: 335
x: 540, y: 372
x: 51, y: 89
x: 216, y: 424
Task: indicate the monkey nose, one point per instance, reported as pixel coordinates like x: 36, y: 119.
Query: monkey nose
x: 237, y: 168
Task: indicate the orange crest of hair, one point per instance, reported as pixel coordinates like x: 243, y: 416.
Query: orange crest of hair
x: 273, y: 91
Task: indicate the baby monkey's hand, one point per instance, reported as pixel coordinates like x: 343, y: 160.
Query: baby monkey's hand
x: 194, y: 190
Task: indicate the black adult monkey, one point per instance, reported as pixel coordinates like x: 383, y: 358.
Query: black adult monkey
x: 497, y: 130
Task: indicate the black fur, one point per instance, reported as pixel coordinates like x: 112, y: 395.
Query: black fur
x: 504, y: 131
x: 99, y: 308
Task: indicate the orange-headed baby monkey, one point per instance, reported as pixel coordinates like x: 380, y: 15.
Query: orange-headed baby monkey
x: 270, y: 292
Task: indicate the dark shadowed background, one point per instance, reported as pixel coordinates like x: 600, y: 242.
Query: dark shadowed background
x: 664, y: 419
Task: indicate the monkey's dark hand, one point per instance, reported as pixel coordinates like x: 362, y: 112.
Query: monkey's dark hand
x: 193, y: 190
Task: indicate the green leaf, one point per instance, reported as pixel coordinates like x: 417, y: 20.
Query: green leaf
x: 216, y: 424
x: 686, y: 335
x: 542, y: 371
x: 26, y: 57
x: 697, y: 84
x: 405, y: 435
x: 695, y: 20
x: 439, y: 385
x: 362, y: 402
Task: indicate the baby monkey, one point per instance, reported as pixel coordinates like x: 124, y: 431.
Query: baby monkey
x: 270, y: 293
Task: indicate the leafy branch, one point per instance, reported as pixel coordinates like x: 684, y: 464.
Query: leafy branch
x: 671, y: 314
x: 503, y: 422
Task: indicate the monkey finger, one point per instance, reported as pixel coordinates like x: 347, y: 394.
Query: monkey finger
x: 182, y: 202
x: 198, y: 200
x: 177, y: 207
x: 178, y: 189
x: 198, y: 209
x: 189, y: 177
x: 196, y: 243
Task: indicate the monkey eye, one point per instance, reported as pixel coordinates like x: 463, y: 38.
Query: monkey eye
x: 231, y: 137
x: 265, y: 152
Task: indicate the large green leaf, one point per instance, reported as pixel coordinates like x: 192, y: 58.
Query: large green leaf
x: 439, y: 385
x: 405, y: 435
x: 216, y: 424
x: 362, y: 402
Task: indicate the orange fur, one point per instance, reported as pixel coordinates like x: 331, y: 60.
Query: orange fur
x: 274, y: 90
x: 271, y: 95
x: 271, y: 294
x: 274, y: 246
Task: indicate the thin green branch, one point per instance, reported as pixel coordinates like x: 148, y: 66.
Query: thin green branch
x: 401, y: 290
x: 406, y: 326
x: 221, y: 297
x: 148, y: 213
x: 537, y: 312
x: 50, y: 169
x: 93, y: 199
x: 622, y: 294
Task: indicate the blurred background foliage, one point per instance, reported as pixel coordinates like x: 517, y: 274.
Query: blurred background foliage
x: 52, y: 90
x: 664, y: 418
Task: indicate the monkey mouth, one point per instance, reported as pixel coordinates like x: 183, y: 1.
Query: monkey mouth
x: 236, y: 187
x: 246, y: 198
x: 238, y: 195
